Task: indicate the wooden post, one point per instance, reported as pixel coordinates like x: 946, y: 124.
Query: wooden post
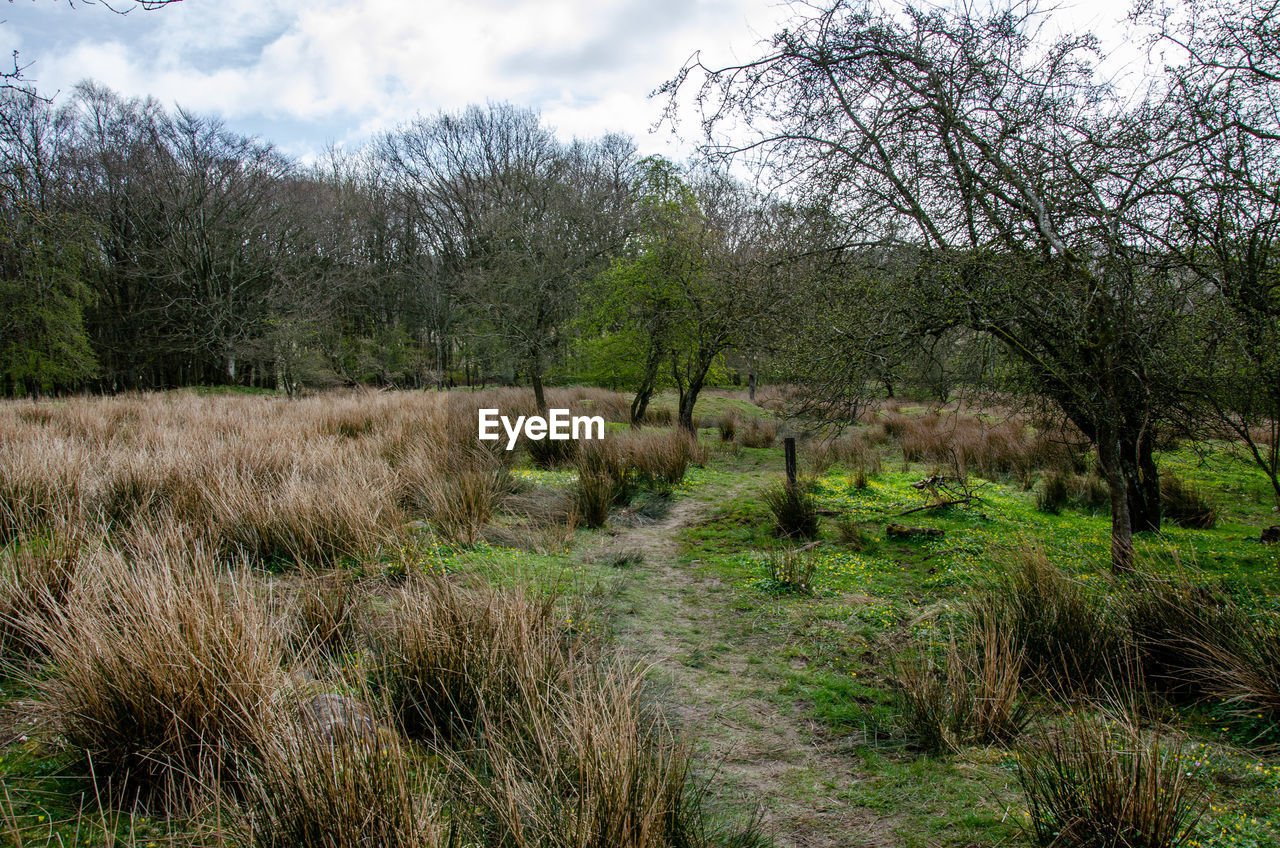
x: 789, y: 447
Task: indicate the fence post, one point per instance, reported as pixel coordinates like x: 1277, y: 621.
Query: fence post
x: 789, y: 447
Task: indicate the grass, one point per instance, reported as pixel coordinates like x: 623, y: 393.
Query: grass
x: 487, y: 748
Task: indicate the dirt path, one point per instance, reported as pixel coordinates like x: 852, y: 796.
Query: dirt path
x: 681, y: 619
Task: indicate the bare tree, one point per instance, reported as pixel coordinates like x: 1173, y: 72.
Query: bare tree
x: 1011, y: 181
x: 522, y: 219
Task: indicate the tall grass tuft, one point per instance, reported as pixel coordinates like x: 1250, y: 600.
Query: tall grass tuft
x: 1102, y: 780
x: 1069, y: 636
x: 794, y: 509
x: 974, y: 695
x: 1195, y: 641
x: 1184, y: 505
x: 757, y: 433
x: 305, y: 787
x: 159, y: 672
x: 605, y: 479
x: 36, y: 576
x: 446, y: 653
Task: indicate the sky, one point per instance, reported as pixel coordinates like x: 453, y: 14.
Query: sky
x: 310, y: 73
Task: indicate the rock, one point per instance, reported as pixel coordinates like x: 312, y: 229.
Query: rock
x: 903, y: 531
x: 1271, y: 535
x: 332, y: 716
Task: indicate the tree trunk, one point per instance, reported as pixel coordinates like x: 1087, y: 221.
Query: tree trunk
x: 539, y: 397
x: 1142, y: 482
x: 751, y: 386
x: 1109, y: 455
x: 644, y: 391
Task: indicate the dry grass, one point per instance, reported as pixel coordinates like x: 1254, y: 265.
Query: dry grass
x: 313, y: 482
x: 1104, y: 780
x: 159, y: 672
x: 974, y: 696
x: 306, y: 785
x: 36, y: 575
x: 446, y: 653
x: 757, y: 433
x: 1008, y: 447
x: 326, y: 613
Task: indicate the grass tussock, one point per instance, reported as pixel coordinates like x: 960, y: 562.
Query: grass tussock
x: 326, y: 613
x: 1104, y: 780
x: 660, y: 458
x: 1184, y: 505
x: 158, y: 672
x: 1195, y: 642
x: 971, y: 443
x: 446, y: 653
x: 791, y: 571
x: 1070, y: 638
x: 305, y: 785
x: 973, y: 695
x: 591, y: 764
x: 757, y: 433
x: 605, y: 480
x: 794, y: 509
x: 36, y: 576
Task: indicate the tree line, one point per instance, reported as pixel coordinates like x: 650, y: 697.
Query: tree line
x: 144, y: 248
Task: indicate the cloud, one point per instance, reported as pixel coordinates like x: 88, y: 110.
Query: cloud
x: 307, y: 73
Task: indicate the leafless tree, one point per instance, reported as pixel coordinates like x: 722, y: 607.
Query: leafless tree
x: 1010, y: 180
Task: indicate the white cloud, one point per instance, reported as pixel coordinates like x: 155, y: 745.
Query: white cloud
x: 340, y: 69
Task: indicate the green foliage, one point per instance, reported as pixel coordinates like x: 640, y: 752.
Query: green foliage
x: 795, y: 510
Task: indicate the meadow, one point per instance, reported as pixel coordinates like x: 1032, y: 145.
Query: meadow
x: 239, y: 619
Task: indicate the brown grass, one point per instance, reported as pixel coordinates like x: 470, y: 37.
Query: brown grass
x: 1107, y: 780
x: 313, y: 482
x: 974, y: 696
x: 159, y: 672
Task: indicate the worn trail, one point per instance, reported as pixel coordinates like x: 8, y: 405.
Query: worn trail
x: 767, y: 760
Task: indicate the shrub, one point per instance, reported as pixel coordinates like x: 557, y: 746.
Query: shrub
x: 1069, y: 637
x: 1183, y: 504
x: 1101, y: 780
x: 757, y: 433
x: 794, y: 509
x: 159, y: 672
x: 974, y: 696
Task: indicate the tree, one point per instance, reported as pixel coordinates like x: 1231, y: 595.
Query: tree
x: 521, y: 219
x: 1008, y: 182
x: 1222, y: 225
x: 45, y: 252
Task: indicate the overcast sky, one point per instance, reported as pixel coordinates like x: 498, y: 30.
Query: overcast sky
x: 306, y: 73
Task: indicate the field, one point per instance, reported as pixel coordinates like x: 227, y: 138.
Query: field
x: 236, y: 619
